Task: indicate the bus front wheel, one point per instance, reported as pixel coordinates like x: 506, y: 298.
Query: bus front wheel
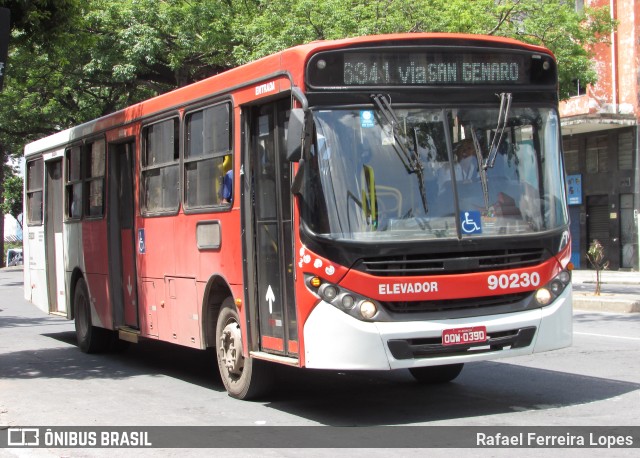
x: 91, y: 339
x: 243, y: 378
x: 436, y: 374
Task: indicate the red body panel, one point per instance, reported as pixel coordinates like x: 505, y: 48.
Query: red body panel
x: 96, y: 261
x: 150, y: 297
x: 458, y: 286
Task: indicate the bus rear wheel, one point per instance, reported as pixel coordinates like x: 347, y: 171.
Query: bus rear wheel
x: 243, y: 378
x: 91, y: 339
x: 436, y: 374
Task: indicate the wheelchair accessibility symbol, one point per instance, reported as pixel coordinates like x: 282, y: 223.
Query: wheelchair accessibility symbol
x: 471, y: 222
x: 142, y: 249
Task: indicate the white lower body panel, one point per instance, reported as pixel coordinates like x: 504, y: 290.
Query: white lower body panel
x: 335, y: 340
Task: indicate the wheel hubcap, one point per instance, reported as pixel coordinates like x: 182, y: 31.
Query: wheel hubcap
x: 231, y: 348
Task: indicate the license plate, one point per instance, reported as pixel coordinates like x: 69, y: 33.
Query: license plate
x: 464, y: 336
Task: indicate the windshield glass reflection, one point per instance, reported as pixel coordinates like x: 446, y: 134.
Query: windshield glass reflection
x: 417, y: 173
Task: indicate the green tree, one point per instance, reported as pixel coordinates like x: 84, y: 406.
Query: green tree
x: 75, y: 60
x: 278, y: 24
x: 12, y: 199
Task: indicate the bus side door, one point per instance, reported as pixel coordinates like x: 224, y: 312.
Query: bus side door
x: 121, y: 237
x: 53, y: 237
x: 268, y: 241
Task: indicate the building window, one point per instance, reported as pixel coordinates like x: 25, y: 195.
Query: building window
x: 597, y: 154
x: 578, y: 88
x: 94, y: 179
x: 160, y: 177
x: 207, y: 157
x: 571, y: 159
x: 34, y: 191
x: 625, y: 150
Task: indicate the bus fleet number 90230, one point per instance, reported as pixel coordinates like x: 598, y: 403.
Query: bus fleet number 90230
x: 513, y: 281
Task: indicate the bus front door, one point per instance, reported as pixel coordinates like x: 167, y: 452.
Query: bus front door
x: 53, y: 237
x: 121, y: 240
x: 268, y: 236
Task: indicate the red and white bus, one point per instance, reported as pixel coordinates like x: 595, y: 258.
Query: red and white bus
x: 379, y: 203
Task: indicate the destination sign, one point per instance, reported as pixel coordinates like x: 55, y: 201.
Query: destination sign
x: 417, y: 69
x: 384, y: 68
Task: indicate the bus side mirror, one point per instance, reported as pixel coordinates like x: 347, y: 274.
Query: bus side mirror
x: 298, y: 134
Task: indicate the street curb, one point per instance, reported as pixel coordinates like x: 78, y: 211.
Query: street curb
x: 605, y: 304
x: 11, y: 269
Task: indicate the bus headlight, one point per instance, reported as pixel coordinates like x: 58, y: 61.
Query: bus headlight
x: 328, y: 292
x: 368, y: 309
x: 543, y: 296
x: 564, y: 277
x: 354, y: 304
x: 549, y: 292
x: 348, y: 302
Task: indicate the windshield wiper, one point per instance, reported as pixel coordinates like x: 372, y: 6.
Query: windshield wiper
x: 410, y: 160
x: 384, y: 106
x: 482, y: 170
x: 503, y: 116
x: 419, y: 169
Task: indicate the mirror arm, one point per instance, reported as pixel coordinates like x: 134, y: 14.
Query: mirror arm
x: 297, y: 94
x: 297, y: 179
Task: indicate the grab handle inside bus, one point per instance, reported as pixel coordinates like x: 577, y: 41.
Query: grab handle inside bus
x: 369, y: 198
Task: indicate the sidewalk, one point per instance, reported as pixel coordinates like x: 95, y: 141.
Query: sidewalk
x: 607, y: 301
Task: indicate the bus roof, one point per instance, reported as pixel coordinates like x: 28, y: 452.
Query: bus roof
x: 291, y: 61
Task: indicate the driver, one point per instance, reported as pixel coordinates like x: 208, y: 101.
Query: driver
x: 466, y: 169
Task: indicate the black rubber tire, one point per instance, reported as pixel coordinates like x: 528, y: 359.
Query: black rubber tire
x: 436, y: 374
x: 91, y: 339
x: 255, y: 378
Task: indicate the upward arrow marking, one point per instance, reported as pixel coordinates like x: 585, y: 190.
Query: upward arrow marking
x: 270, y: 297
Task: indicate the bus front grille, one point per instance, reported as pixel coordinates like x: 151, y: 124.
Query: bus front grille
x: 452, y: 263
x: 508, y: 301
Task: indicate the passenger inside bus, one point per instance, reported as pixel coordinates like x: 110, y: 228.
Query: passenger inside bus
x: 226, y: 188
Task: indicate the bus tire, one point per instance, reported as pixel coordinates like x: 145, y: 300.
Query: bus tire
x: 91, y: 339
x: 436, y: 374
x: 243, y: 378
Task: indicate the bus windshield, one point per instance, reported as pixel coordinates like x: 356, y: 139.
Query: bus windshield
x: 415, y: 173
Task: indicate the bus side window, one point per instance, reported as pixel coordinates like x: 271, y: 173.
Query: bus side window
x: 160, y: 177
x: 208, y: 173
x: 94, y: 179
x: 73, y: 183
x: 35, y: 179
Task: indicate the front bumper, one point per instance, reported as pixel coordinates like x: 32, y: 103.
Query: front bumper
x: 335, y: 340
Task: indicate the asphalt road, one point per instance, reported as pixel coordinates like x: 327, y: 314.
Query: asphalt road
x: 45, y: 380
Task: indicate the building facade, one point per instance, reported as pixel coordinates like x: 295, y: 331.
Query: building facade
x: 600, y: 140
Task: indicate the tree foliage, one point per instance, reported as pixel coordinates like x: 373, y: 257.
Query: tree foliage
x: 75, y: 60
x: 12, y: 202
x: 551, y: 23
